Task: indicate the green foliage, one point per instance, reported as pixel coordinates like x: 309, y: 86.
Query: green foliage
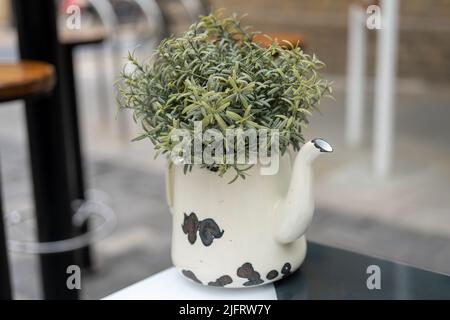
x: 214, y: 73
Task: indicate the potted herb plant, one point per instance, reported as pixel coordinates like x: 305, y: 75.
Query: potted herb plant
x: 229, y: 116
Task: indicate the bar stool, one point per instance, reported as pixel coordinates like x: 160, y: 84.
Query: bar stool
x: 22, y: 80
x: 69, y: 40
x: 47, y: 123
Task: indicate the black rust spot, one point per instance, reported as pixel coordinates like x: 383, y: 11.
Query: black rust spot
x: 221, y: 282
x: 286, y: 270
x: 190, y: 227
x: 207, y: 229
x: 272, y: 275
x: 190, y: 275
x: 247, y: 271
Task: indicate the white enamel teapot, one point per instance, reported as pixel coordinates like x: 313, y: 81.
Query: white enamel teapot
x: 247, y: 233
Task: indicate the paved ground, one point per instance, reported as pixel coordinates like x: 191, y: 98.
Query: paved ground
x: 405, y: 218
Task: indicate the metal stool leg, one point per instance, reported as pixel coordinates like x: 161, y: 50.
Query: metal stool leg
x: 5, y: 283
x: 385, y: 82
x: 74, y: 143
x: 46, y: 123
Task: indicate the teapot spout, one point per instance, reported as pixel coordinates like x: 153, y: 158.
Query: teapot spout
x: 294, y: 213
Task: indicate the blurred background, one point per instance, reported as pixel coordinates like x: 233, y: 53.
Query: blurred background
x: 399, y: 211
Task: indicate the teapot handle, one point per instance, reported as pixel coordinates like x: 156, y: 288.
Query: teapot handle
x: 170, y: 176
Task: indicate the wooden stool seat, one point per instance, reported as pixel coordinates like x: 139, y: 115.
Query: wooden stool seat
x: 25, y: 79
x: 295, y: 39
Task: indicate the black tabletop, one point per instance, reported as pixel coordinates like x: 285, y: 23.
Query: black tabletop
x: 331, y: 273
